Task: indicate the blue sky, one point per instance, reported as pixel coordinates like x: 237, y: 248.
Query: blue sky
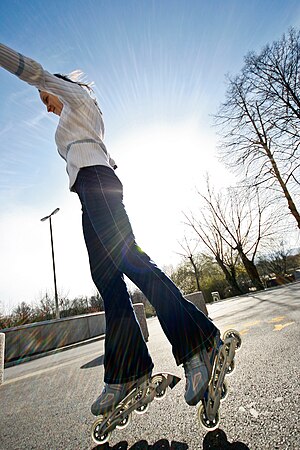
x: 159, y: 71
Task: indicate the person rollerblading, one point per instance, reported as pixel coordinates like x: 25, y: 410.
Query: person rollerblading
x: 113, y: 253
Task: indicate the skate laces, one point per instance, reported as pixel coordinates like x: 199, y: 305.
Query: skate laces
x: 113, y: 389
x: 193, y: 363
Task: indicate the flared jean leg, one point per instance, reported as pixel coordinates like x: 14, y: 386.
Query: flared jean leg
x: 186, y: 327
x: 126, y: 355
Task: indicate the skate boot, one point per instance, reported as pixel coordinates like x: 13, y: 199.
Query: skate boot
x: 111, y: 395
x: 115, y: 409
x: 222, y: 358
x: 198, y: 371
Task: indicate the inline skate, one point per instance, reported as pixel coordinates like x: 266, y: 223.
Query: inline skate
x: 224, y: 364
x: 137, y: 400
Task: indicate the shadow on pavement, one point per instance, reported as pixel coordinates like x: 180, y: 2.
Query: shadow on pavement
x: 264, y: 300
x: 94, y: 363
x: 214, y: 440
x: 162, y: 444
x: 217, y: 440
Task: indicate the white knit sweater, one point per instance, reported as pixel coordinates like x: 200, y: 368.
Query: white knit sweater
x: 80, y: 131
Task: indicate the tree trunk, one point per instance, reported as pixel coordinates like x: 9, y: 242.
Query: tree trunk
x: 197, y: 275
x: 251, y: 270
x: 230, y: 277
x: 291, y: 204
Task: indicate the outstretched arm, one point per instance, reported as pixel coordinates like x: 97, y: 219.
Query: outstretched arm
x: 33, y: 73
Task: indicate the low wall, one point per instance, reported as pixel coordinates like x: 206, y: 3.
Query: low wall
x: 198, y: 300
x: 39, y: 337
x: 2, y: 346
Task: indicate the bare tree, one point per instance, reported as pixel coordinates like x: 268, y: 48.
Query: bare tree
x: 278, y: 259
x: 274, y: 76
x: 46, y: 308
x: 234, y: 224
x: 212, y: 278
x: 207, y: 230
x: 259, y: 120
x: 23, y: 313
x: 190, y: 255
x: 96, y: 302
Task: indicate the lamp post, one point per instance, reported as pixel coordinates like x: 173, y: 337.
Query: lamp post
x: 53, y: 260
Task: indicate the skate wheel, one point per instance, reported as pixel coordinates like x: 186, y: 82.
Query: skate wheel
x: 142, y: 409
x: 97, y: 434
x: 157, y: 380
x: 161, y: 394
x: 145, y: 406
x: 205, y: 421
x: 124, y: 422
x: 224, y: 391
x: 233, y: 334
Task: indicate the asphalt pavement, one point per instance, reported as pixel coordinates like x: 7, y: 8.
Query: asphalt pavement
x: 44, y: 404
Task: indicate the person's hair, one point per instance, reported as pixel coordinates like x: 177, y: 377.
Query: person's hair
x: 83, y: 85
x: 66, y: 78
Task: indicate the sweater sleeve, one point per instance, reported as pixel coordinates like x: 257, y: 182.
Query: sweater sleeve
x: 112, y: 162
x: 33, y: 73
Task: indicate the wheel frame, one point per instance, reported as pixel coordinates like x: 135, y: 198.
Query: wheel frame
x: 230, y: 368
x: 224, y: 391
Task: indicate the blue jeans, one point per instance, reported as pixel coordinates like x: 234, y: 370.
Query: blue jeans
x: 113, y: 252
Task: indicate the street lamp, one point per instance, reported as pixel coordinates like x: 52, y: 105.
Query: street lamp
x: 53, y: 261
